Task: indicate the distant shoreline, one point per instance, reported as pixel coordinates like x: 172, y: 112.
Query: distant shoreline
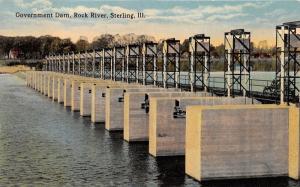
x: 13, y: 69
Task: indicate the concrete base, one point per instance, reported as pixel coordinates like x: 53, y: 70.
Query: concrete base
x: 67, y: 92
x: 50, y: 85
x: 75, y: 90
x: 98, y: 103
x: 167, y: 134
x: 136, y: 120
x: 85, y: 99
x: 45, y: 84
x: 40, y: 84
x: 35, y: 81
x: 38, y: 81
x: 75, y: 95
x: 233, y: 141
x: 114, y: 108
x: 294, y: 143
x: 60, y: 90
x: 98, y: 99
x: 54, y: 88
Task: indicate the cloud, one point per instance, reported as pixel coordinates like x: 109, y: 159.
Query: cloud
x: 225, y: 9
x: 202, y: 13
x: 175, y: 20
x: 224, y: 17
x: 32, y: 4
x: 165, y: 16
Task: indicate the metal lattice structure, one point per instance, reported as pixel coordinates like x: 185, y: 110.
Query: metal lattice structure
x: 132, y: 63
x: 53, y: 60
x: 89, y: 63
x: 76, y: 60
x: 97, y: 63
x: 70, y: 64
x: 65, y: 63
x: 237, y: 62
x: 287, y: 61
x: 149, y: 53
x: 107, y: 63
x: 45, y: 64
x: 55, y: 63
x: 50, y: 63
x: 199, y: 62
x: 119, y: 63
x: 82, y: 63
x: 61, y: 63
x: 171, y: 63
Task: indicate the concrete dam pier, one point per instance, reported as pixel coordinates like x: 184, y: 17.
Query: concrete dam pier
x: 221, y: 137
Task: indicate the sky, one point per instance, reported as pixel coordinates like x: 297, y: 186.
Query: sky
x: 164, y: 18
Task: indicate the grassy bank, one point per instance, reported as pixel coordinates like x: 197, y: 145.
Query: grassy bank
x: 13, y: 69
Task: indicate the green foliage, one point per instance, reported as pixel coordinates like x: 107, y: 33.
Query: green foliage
x: 35, y: 48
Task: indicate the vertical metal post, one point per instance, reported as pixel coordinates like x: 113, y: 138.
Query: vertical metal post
x: 144, y: 64
x: 79, y: 63
x: 102, y: 65
x: 137, y: 70
x: 59, y: 63
x: 229, y: 81
x: 155, y: 70
x: 111, y: 68
x: 123, y: 70
x: 63, y: 60
x: 245, y: 72
x: 192, y: 73
x: 206, y: 72
x: 69, y: 64
x: 73, y: 61
x: 127, y: 68
x: 165, y: 69
x: 282, y: 69
x: 114, y: 63
x: 177, y: 71
x: 94, y: 62
x: 85, y: 63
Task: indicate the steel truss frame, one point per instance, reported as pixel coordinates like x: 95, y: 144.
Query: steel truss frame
x: 149, y: 53
x: 107, y: 63
x: 171, y: 63
x: 237, y: 62
x: 199, y: 62
x: 89, y: 63
x: 133, y: 70
x: 287, y: 61
x: 119, y: 63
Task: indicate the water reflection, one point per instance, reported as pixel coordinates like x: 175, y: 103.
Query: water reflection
x: 252, y: 182
x: 171, y: 170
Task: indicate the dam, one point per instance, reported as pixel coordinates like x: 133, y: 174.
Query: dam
x: 223, y: 132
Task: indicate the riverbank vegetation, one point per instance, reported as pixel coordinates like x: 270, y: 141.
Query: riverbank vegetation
x: 13, y: 69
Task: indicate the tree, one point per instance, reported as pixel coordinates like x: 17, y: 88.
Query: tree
x: 103, y: 41
x: 184, y: 47
x: 217, y: 51
x: 82, y: 45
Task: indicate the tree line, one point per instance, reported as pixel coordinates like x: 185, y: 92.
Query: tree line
x: 39, y: 47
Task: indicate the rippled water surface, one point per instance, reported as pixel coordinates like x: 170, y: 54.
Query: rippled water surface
x: 43, y: 143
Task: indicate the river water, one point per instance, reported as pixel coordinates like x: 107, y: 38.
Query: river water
x: 44, y: 144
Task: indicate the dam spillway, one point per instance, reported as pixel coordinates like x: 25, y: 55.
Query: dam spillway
x: 220, y: 137
x: 224, y: 132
